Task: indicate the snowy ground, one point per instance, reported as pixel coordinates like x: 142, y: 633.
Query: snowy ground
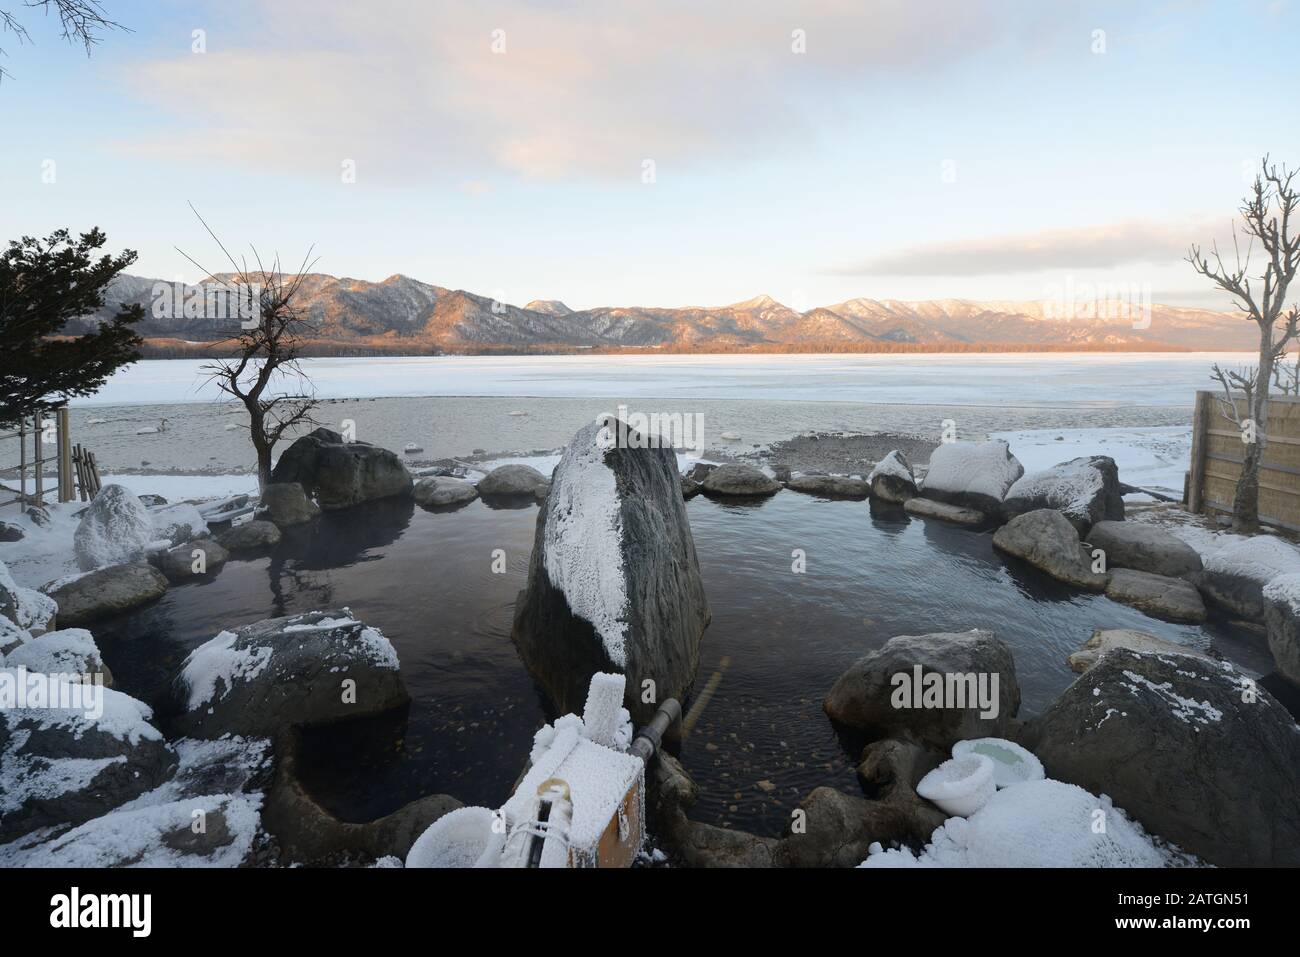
x: 1154, y: 458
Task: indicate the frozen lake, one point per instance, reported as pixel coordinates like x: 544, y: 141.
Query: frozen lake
x: 1093, y: 380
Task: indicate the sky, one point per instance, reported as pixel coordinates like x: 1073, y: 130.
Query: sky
x: 660, y: 154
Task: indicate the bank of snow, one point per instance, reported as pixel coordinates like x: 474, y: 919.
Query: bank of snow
x: 1037, y: 824
x: 1152, y: 458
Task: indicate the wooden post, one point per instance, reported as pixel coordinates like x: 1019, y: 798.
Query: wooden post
x: 22, y: 459
x: 38, y: 449
x: 1203, y: 409
x: 66, y: 492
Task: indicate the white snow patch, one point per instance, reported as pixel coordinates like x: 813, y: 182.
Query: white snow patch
x: 582, y: 552
x: 1036, y: 824
x: 980, y: 468
x: 1185, y: 709
x: 892, y: 465
x: 218, y: 660
x: 1285, y: 588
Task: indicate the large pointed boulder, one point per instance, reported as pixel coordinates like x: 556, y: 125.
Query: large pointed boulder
x: 614, y: 584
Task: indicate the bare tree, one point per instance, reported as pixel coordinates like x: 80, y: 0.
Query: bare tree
x: 264, y: 374
x: 1267, y: 212
x: 1287, y: 378
x: 81, y: 21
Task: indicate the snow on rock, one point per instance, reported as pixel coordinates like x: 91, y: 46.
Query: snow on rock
x: 582, y: 548
x: 1259, y: 558
x: 27, y: 608
x: 114, y: 529
x: 892, y: 479
x: 178, y: 524
x: 69, y: 651
x: 894, y: 464
x: 1286, y: 589
x: 614, y: 582
x: 1085, y: 490
x: 1037, y: 824
x: 304, y: 669
x: 77, y: 752
x: 973, y: 474
x: 151, y: 836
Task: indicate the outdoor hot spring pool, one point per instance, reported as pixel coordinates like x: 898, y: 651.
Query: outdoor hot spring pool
x: 778, y: 639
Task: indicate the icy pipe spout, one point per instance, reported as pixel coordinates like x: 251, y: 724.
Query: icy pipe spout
x: 666, y: 721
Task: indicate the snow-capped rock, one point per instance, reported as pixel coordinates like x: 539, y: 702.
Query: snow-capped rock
x: 972, y: 474
x: 1282, y: 616
x: 1085, y: 490
x: 115, y: 529
x: 1234, y: 575
x: 892, y: 479
x: 70, y: 651
x: 27, y: 608
x: 75, y: 762
x: 1191, y: 748
x: 105, y: 592
x: 178, y: 523
x: 300, y: 670
x: 614, y: 583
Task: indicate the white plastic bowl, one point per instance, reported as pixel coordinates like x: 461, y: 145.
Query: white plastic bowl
x: 1012, y: 764
x: 959, y: 786
x: 457, y: 839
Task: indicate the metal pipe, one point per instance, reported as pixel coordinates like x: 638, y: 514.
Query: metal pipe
x: 650, y: 738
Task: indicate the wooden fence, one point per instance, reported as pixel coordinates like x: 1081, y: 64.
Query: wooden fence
x: 30, y: 447
x: 1217, y: 453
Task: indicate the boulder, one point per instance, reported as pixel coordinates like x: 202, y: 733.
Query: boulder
x: 1104, y: 640
x: 179, y: 563
x: 512, y: 481
x: 1145, y: 547
x: 11, y: 636
x: 1173, y: 599
x: 27, y: 608
x: 151, y: 835
x: 838, y: 829
x: 892, y: 480
x: 1234, y: 576
x: 115, y: 528
x: 68, y: 765
x: 285, y: 504
x: 891, y: 692
x: 829, y: 486
x: 739, y: 480
x: 70, y: 651
x: 1046, y: 539
x: 438, y: 491
x: 614, y: 584
x: 973, y: 475
x: 308, y: 832
x: 690, y: 487
x: 106, y: 592
x: 249, y: 536
x: 1282, y: 617
x: 1085, y: 490
x: 670, y: 794
x: 929, y: 508
x: 9, y: 532
x: 1191, y: 748
x: 178, y: 523
x: 700, y: 471
x: 304, y: 670
x: 338, y: 473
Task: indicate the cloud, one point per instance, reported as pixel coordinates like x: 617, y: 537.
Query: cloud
x: 1091, y: 247
x: 411, y: 89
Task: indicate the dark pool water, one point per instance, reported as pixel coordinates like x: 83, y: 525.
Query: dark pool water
x: 778, y: 640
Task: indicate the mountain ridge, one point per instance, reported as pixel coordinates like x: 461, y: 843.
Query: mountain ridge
x: 403, y: 313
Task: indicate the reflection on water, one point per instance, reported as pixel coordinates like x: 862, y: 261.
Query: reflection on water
x: 778, y: 640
